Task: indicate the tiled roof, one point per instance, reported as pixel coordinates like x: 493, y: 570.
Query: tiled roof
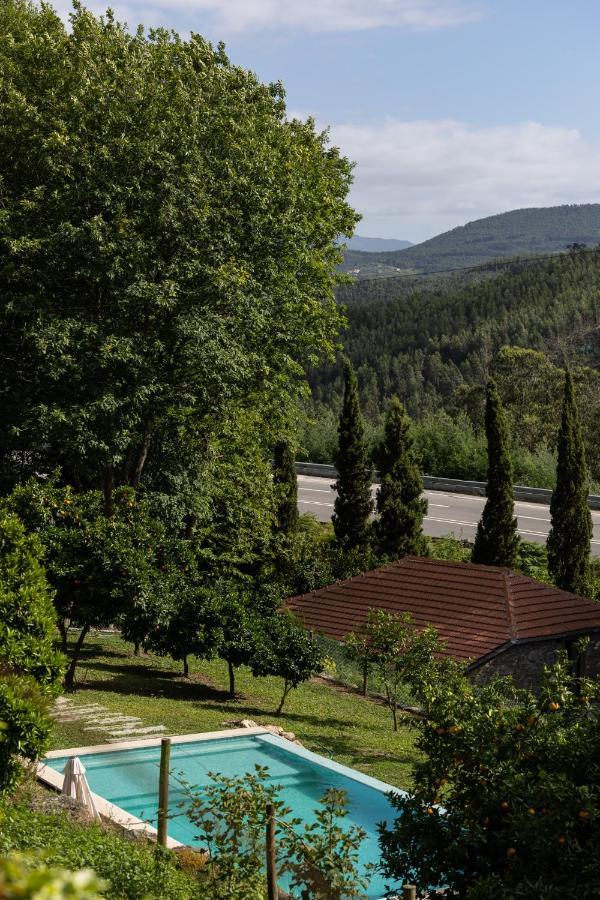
x: 474, y: 608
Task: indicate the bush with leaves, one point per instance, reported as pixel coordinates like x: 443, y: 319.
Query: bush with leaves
x: 286, y: 650
x: 30, y: 668
x: 322, y: 859
x: 396, y: 651
x: 25, y: 878
x: 517, y: 775
x: 230, y: 817
x: 99, y: 567
x: 132, y: 869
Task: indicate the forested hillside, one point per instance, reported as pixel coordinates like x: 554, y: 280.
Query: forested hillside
x: 521, y: 232
x: 435, y: 346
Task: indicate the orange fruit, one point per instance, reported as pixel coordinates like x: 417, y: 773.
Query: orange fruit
x: 584, y: 814
x: 505, y: 804
x: 554, y: 706
x: 511, y: 852
x: 429, y: 811
x: 531, y: 811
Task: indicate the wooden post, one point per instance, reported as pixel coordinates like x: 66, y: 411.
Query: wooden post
x: 163, y: 791
x: 272, y: 893
x: 409, y: 892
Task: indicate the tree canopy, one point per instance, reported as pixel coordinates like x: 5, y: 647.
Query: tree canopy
x: 159, y: 213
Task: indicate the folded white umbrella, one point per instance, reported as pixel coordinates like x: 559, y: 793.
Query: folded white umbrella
x: 75, y: 785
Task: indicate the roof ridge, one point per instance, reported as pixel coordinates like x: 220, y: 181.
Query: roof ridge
x: 512, y: 626
x: 456, y: 563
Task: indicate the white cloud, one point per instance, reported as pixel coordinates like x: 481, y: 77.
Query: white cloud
x: 232, y: 16
x: 415, y: 179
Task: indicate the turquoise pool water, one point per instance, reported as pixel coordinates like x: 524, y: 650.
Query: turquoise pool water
x: 129, y: 779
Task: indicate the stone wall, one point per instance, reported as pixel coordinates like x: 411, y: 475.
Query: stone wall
x: 524, y: 661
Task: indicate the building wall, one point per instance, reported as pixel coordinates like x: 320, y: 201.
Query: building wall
x: 525, y: 661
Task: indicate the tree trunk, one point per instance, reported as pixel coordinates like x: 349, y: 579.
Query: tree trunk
x: 140, y: 459
x: 186, y: 667
x: 394, y: 713
x: 70, y: 674
x: 108, y: 488
x: 286, y: 689
x: 231, y: 680
x: 365, y: 676
x: 136, y: 648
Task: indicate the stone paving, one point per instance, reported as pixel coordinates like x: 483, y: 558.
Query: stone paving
x: 98, y: 718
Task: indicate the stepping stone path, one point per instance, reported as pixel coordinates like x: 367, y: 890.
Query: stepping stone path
x: 98, y: 718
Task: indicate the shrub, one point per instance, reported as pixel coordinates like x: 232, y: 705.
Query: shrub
x: 135, y: 870
x: 30, y: 670
x: 518, y: 777
x: 23, y: 878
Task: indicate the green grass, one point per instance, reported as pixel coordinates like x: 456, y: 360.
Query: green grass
x: 337, y: 723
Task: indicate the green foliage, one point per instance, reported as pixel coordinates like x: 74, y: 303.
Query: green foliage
x: 323, y: 858
x: 24, y: 877
x: 433, y: 342
x: 286, y: 487
x: 27, y: 617
x: 400, y: 503
x: 353, y: 503
x: 100, y: 568
x: 230, y: 818
x: 517, y: 775
x: 134, y: 870
x: 396, y: 651
x: 30, y: 669
x: 286, y: 650
x: 449, y: 446
x: 160, y: 212
x: 571, y: 522
x: 497, y: 538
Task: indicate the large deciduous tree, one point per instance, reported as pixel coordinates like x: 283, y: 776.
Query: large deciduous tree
x: 571, y: 522
x: 497, y: 538
x: 353, y: 503
x: 400, y: 502
x: 159, y: 213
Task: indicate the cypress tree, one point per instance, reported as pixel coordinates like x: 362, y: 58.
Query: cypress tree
x: 400, y: 502
x: 497, y: 538
x: 353, y: 504
x: 286, y: 486
x: 571, y: 522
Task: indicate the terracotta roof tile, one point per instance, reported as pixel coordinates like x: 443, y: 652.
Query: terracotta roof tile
x: 474, y: 608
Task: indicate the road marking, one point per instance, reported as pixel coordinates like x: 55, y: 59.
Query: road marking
x: 533, y: 518
x: 315, y: 503
x: 316, y: 490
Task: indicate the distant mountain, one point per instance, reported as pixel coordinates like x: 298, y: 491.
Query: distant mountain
x: 522, y: 232
x: 376, y: 245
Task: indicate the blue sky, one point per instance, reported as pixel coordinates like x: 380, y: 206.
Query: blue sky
x: 452, y: 109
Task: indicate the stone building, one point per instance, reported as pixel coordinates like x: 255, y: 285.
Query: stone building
x: 495, y: 620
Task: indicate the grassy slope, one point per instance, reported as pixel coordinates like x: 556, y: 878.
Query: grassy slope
x: 336, y: 723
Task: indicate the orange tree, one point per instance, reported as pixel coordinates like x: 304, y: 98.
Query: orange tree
x: 506, y: 801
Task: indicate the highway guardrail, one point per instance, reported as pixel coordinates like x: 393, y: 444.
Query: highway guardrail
x: 451, y: 485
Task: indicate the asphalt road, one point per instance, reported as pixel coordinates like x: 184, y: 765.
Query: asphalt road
x: 455, y: 514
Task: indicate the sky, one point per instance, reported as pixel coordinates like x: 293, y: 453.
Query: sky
x: 451, y: 109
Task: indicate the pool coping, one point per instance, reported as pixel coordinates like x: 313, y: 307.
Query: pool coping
x: 119, y: 816
x: 111, y: 811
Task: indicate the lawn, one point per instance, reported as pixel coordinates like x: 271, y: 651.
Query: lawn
x: 333, y: 721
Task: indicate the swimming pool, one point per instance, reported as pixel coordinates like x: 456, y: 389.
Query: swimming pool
x: 128, y: 778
